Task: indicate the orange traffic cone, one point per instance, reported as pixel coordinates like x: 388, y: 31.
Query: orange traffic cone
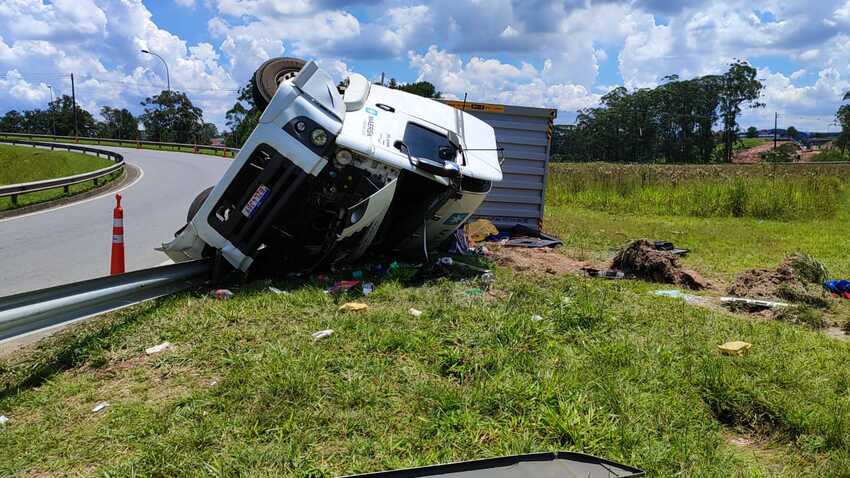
x: 117, y: 266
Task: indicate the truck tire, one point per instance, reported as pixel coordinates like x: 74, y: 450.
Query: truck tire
x: 197, y: 203
x: 270, y: 74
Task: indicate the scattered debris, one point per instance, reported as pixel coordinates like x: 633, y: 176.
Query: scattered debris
x: 322, y: 334
x: 536, y: 318
x: 750, y: 305
x: 445, y: 261
x: 158, y: 348
x: 736, y: 348
x: 352, y: 307
x: 480, y: 229
x: 641, y: 259
x: 222, y: 294
x: 342, y: 286
x: 668, y: 246
x: 606, y: 274
x: 277, y: 291
x: 100, y: 407
x: 474, y: 291
x: 797, y: 279
x: 488, y: 278
x: 524, y: 236
x: 3, y: 419
x: 840, y: 288
x: 357, y: 275
x: 414, y: 312
x: 677, y: 294
x: 368, y: 287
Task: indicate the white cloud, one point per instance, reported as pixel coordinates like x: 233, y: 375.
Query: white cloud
x: 490, y: 80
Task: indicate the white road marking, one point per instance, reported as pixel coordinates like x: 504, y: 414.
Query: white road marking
x: 75, y: 203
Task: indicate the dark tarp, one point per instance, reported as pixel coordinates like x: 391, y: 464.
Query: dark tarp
x: 538, y: 465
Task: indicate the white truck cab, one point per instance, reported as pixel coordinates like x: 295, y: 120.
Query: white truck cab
x: 326, y: 177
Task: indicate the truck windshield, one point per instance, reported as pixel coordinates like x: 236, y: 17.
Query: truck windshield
x: 421, y: 142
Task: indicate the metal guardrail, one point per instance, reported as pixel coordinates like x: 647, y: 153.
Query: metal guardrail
x: 14, y: 190
x: 30, y: 311
x: 225, y: 151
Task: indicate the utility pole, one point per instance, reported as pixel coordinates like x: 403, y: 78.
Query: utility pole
x: 382, y: 78
x: 775, y: 126
x: 74, y: 101
x: 52, y: 113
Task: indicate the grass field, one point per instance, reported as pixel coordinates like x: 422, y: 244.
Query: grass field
x: 20, y: 164
x: 611, y: 370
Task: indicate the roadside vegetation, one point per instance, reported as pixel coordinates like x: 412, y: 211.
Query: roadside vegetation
x: 610, y: 370
x: 723, y: 244
x: 19, y: 164
x: 125, y: 144
x: 775, y: 192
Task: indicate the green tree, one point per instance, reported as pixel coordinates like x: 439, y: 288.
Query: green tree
x: 37, y: 121
x: 792, y: 132
x: 62, y: 109
x: 12, y: 122
x: 752, y: 132
x: 740, y: 87
x: 242, y: 118
x: 843, y: 118
x: 421, y: 88
x: 117, y: 124
x: 171, y: 117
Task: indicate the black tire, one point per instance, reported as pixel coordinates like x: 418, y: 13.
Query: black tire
x: 197, y: 203
x: 270, y: 74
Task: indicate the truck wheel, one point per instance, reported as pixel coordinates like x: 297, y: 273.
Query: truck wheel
x: 270, y: 74
x: 197, y: 202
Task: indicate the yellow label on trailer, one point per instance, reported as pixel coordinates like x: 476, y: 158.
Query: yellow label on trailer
x: 476, y: 106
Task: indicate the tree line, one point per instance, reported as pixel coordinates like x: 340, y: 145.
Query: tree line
x: 168, y: 117
x: 671, y: 123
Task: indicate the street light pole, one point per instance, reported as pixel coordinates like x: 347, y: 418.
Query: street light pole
x: 167, y: 76
x: 52, y: 113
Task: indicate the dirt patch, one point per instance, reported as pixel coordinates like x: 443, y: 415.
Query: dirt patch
x: 642, y: 260
x: 542, y: 260
x: 793, y: 281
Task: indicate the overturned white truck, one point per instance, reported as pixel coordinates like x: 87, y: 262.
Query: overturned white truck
x: 327, y: 176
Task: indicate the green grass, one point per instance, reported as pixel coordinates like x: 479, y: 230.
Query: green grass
x: 831, y: 155
x: 611, y: 371
x: 780, y: 192
x: 20, y: 164
x: 125, y: 144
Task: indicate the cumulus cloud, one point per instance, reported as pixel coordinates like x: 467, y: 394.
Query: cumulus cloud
x: 490, y: 80
x: 561, y: 54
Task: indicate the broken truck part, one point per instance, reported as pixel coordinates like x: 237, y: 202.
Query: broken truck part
x: 327, y: 176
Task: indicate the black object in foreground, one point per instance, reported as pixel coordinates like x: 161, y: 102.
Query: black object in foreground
x: 562, y: 464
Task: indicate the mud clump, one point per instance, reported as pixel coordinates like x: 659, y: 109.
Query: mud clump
x: 641, y: 259
x: 797, y: 279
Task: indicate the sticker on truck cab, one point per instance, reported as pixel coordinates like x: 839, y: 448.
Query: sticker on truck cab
x: 256, y: 201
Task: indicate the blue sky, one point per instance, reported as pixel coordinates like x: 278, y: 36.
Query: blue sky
x: 560, y: 54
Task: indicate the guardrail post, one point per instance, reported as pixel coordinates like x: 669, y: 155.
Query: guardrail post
x: 95, y: 182
x: 66, y: 190
x: 14, y: 198
x: 194, y: 148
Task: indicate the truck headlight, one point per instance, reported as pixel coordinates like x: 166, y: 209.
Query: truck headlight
x: 319, y: 137
x: 343, y: 157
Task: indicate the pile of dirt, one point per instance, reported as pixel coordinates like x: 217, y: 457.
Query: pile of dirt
x: 641, y: 259
x: 543, y: 259
x: 797, y: 279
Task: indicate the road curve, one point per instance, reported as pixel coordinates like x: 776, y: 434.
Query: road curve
x: 73, y: 242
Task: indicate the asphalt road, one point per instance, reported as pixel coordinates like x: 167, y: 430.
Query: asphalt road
x: 73, y: 242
